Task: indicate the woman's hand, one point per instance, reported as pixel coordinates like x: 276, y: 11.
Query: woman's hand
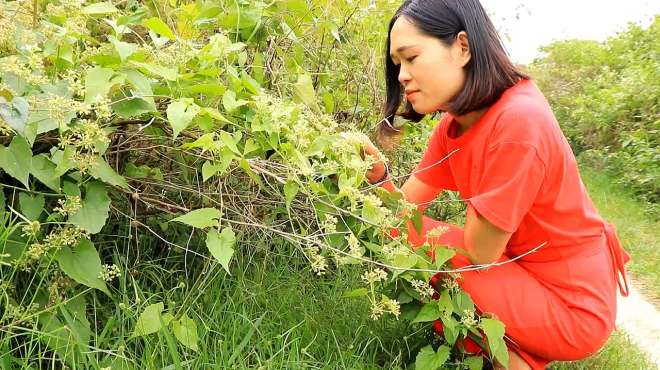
x: 377, y: 171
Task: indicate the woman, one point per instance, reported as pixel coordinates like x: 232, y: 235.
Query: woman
x: 501, y: 148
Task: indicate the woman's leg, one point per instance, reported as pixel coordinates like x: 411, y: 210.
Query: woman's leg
x: 538, y: 321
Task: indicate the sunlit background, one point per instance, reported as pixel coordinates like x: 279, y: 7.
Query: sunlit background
x: 530, y: 24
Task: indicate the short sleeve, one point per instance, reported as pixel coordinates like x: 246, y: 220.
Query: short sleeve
x: 509, y: 185
x: 432, y: 169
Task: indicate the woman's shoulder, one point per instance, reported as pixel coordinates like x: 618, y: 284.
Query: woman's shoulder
x: 524, y: 115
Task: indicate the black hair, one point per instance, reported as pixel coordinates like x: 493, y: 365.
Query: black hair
x: 488, y: 73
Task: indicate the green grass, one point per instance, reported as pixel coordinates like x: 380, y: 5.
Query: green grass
x: 618, y: 354
x: 638, y: 232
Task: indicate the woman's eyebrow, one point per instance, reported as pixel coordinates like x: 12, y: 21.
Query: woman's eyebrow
x: 400, y: 49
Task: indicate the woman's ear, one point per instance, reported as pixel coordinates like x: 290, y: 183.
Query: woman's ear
x: 463, y: 46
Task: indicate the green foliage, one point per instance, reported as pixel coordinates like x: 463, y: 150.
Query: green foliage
x: 605, y: 98
x: 82, y: 264
x: 221, y: 245
x: 428, y: 359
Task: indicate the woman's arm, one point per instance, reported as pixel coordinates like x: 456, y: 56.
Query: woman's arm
x: 484, y: 242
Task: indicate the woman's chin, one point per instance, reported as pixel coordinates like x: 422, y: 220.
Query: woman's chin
x: 422, y: 106
x: 421, y: 109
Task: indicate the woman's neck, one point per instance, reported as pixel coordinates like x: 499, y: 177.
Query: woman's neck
x: 466, y: 120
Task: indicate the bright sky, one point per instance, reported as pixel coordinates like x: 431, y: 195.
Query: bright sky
x: 542, y: 21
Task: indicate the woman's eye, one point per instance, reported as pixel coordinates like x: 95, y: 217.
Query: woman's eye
x: 409, y: 60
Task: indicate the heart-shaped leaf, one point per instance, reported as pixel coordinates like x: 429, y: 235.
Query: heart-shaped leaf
x: 221, y: 245
x: 200, y: 218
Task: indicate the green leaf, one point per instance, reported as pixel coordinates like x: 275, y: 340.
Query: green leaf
x: 124, y: 49
x: 494, y: 330
x: 463, y: 302
x: 185, y: 331
x: 200, y: 218
x: 403, y: 262
x: 99, y: 81
x: 230, y: 142
x: 474, y: 362
x: 451, y: 330
x: 360, y: 292
x: 245, y: 165
x: 31, y: 205
x: 95, y: 208
x: 250, y: 146
x: 101, y: 170
x: 429, y: 312
x: 132, y: 106
x: 445, y: 303
x: 443, y: 255
x: 44, y: 170
x: 204, y: 142
x: 208, y: 170
x: 229, y: 101
x: 157, y: 25
x: 142, y: 84
x: 16, y: 159
x: 170, y: 74
x: 220, y: 166
x: 304, y: 92
x: 417, y: 220
x: 372, y: 213
x: 101, y: 8
x: 149, y: 320
x: 290, y: 190
x: 143, y: 171
x: 82, y: 264
x: 15, y: 112
x: 215, y: 114
x: 180, y: 114
x: 221, y: 245
x: 428, y: 359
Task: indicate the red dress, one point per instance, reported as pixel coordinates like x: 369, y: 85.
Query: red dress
x: 515, y: 168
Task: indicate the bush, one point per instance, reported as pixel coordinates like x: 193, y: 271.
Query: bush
x: 605, y: 96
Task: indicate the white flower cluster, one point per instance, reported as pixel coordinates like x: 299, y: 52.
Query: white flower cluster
x: 386, y: 305
x: 18, y: 314
x: 374, y: 276
x: 85, y: 136
x: 109, y: 272
x: 102, y: 109
x: 318, y: 263
x: 329, y: 225
x: 5, y: 129
x: 20, y: 68
x: 437, y: 232
x: 174, y: 54
x: 31, y: 229
x: 60, y: 237
x: 59, y: 108
x: 354, y: 248
x: 423, y: 288
x: 394, y: 248
x: 69, y: 205
x: 469, y: 318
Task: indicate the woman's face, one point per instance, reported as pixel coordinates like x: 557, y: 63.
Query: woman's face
x: 431, y: 72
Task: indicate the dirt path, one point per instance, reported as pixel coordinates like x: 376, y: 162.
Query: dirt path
x: 641, y: 321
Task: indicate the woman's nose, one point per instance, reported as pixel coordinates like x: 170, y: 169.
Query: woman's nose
x: 404, y: 75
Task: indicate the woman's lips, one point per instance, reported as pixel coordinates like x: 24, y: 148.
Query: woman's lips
x: 411, y: 94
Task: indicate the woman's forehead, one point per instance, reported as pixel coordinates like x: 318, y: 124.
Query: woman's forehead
x: 404, y: 35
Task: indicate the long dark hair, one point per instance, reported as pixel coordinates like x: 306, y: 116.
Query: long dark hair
x: 488, y: 73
